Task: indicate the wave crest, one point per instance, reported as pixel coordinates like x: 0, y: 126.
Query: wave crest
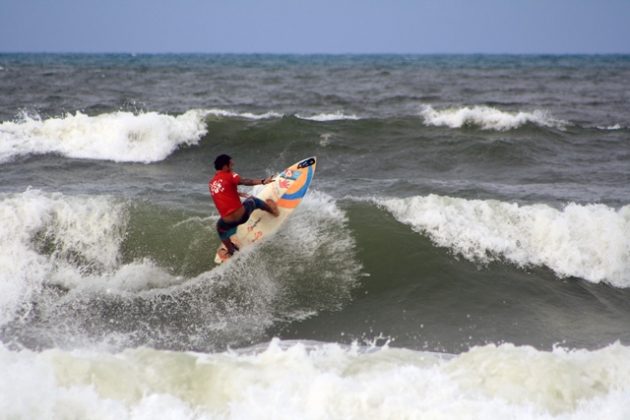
x: 587, y: 241
x: 488, y: 118
x: 246, y: 115
x: 118, y: 136
x: 43, y: 235
x: 325, y: 117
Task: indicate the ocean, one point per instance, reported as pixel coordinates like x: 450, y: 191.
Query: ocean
x: 463, y: 251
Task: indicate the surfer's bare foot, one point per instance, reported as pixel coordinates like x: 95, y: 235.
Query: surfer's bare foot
x: 224, y: 254
x: 273, y: 207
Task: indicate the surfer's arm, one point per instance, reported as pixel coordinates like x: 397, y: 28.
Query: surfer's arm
x: 251, y: 182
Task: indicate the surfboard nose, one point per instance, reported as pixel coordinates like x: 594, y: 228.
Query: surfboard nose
x: 307, y: 162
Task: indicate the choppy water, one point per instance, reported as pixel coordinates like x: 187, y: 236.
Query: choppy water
x: 474, y: 206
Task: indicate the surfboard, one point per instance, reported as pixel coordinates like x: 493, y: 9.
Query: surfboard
x: 287, y: 190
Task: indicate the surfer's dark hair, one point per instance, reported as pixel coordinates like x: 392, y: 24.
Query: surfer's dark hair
x: 221, y: 161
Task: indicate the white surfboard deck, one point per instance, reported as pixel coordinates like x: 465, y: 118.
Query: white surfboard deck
x: 287, y: 190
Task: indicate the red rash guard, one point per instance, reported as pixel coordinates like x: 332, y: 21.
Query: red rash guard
x: 223, y: 189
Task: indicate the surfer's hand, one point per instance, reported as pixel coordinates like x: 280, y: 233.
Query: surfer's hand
x: 267, y: 180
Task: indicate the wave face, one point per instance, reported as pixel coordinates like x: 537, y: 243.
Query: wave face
x: 586, y: 241
x: 318, y: 381
x: 118, y: 136
x: 88, y: 264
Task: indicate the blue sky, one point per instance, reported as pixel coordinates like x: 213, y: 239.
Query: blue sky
x: 316, y: 26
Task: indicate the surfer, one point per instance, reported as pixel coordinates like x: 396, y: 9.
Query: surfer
x: 224, y: 191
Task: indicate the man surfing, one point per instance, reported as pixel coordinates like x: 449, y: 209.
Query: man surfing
x: 224, y: 191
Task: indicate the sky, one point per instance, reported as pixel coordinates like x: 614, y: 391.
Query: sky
x: 316, y: 26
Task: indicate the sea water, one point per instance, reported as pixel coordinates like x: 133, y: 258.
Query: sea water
x: 463, y: 252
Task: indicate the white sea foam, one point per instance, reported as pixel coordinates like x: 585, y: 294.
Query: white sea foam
x: 587, y: 241
x: 321, y: 381
x: 246, y: 115
x: 76, y: 243
x: 324, y: 117
x: 73, y: 242
x: 614, y: 127
x: 42, y: 235
x: 118, y: 136
x: 488, y: 118
x: 316, y: 231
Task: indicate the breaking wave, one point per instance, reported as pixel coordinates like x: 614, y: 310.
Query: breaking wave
x: 85, y: 268
x: 118, y: 136
x: 587, y: 241
x: 316, y: 380
x: 488, y: 118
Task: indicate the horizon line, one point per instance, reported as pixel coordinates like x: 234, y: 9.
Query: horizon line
x: 132, y: 53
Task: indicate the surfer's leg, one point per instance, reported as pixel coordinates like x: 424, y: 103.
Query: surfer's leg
x: 273, y: 207
x: 268, y: 205
x: 225, y: 230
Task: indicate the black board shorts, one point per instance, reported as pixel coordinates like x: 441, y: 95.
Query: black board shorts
x: 227, y: 229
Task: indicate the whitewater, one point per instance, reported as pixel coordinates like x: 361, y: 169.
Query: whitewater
x: 146, y: 137
x: 586, y: 241
x: 311, y: 380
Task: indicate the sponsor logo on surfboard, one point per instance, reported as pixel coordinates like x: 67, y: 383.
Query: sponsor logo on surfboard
x: 290, y: 174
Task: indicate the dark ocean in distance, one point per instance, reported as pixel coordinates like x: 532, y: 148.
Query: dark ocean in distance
x: 463, y: 251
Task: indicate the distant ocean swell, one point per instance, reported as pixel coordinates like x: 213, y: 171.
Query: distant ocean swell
x: 151, y: 137
x: 488, y: 118
x: 314, y: 380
